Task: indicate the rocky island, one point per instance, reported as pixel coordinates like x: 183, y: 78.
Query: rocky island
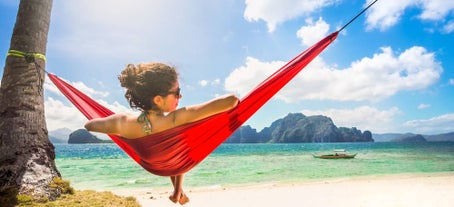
x: 82, y: 136
x: 297, y: 128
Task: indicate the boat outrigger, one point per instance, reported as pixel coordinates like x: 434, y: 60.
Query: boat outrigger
x: 338, y: 154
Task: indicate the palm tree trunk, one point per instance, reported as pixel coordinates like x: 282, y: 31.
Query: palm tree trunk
x: 26, y: 154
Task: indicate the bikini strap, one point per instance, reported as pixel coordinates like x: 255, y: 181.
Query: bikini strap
x: 143, y: 118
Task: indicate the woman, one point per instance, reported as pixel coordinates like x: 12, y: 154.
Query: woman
x: 153, y: 89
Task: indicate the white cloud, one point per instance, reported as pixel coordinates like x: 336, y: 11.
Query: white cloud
x: 216, y: 82
x: 117, y: 107
x: 382, y: 121
x: 59, y: 115
x: 276, y: 12
x: 203, y: 82
x: 439, y: 124
x: 56, y: 119
x: 385, y: 14
x: 449, y: 27
x: 206, y: 82
x: 451, y: 81
x: 423, y: 106
x: 88, y: 91
x: 435, y: 9
x: 372, y: 79
x: 363, y: 118
x: 132, y: 31
x: 49, y: 86
x: 313, y: 32
x: 245, y: 78
x: 95, y: 34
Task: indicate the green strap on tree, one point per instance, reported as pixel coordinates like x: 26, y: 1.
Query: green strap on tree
x: 26, y: 55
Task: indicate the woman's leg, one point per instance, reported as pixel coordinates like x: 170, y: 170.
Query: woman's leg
x: 178, y: 195
x: 173, y: 179
x: 175, y: 195
x: 179, y: 184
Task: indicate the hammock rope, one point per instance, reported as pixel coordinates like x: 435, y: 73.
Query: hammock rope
x: 359, y: 14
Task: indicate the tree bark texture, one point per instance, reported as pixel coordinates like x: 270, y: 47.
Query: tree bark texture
x: 26, y: 154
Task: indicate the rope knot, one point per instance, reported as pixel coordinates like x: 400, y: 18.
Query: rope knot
x: 29, y: 56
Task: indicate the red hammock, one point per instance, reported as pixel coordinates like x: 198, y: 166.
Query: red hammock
x: 177, y: 150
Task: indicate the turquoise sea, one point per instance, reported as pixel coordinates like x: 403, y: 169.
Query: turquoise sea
x: 107, y: 167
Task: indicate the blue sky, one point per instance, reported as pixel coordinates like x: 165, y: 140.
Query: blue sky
x: 390, y: 71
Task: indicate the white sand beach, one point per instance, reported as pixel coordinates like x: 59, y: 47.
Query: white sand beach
x: 412, y: 190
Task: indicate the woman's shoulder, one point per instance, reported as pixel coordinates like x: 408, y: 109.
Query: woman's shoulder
x: 121, y: 120
x: 124, y: 116
x: 129, y: 127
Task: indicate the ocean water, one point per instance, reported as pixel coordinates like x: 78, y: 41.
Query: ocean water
x: 106, y: 167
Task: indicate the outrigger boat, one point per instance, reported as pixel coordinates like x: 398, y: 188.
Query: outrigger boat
x: 338, y: 154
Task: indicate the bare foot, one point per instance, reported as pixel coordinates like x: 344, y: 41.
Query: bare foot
x: 183, y: 199
x: 175, y: 197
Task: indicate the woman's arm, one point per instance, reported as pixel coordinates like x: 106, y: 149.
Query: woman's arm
x: 203, y: 110
x: 107, y: 125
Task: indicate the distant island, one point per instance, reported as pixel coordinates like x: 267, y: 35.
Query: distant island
x: 82, y: 136
x: 60, y: 136
x: 410, y: 137
x: 298, y: 128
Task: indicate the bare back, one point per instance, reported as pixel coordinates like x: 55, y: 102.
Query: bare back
x: 127, y: 126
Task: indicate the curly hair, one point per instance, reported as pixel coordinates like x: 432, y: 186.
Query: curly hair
x: 145, y: 81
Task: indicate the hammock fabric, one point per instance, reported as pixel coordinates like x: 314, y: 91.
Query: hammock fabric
x: 178, y: 150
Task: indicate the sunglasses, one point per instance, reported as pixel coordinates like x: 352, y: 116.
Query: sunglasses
x: 176, y: 93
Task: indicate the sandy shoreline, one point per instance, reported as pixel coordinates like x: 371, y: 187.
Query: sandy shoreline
x: 434, y: 190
